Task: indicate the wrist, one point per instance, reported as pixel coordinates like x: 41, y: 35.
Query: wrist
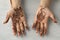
x: 45, y: 3
x: 16, y: 4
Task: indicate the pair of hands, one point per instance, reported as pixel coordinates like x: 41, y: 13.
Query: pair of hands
x: 19, y: 24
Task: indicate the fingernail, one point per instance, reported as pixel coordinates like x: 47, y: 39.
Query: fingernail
x: 55, y: 21
x: 44, y: 33
x: 14, y: 34
x: 4, y: 22
x: 19, y: 34
x: 40, y: 33
x: 36, y: 31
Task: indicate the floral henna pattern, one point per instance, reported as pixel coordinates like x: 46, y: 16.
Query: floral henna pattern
x: 18, y: 21
x: 41, y: 20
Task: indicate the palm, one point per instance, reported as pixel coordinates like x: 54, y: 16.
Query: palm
x: 18, y: 21
x: 41, y: 20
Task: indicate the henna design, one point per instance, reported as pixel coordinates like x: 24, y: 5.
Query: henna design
x: 18, y: 21
x: 17, y: 16
x: 41, y: 20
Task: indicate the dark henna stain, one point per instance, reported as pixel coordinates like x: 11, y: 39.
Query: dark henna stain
x: 17, y: 15
x: 40, y: 17
x: 23, y: 25
x: 38, y: 26
x: 19, y: 10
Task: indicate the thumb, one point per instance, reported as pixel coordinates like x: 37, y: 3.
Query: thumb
x: 7, y: 19
x: 53, y: 18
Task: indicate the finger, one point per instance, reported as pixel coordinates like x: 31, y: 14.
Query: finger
x: 7, y: 19
x: 50, y: 14
x: 34, y: 24
x: 25, y: 25
x: 53, y: 18
x: 22, y: 28
x: 41, y: 29
x: 18, y: 29
x: 45, y: 28
x: 37, y: 28
x: 14, y: 28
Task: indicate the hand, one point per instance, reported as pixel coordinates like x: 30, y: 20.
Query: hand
x: 41, y: 20
x: 18, y: 21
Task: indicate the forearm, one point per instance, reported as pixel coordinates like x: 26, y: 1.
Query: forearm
x: 45, y: 3
x: 15, y: 3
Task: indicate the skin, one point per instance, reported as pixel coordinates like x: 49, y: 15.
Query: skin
x: 42, y: 16
x: 17, y: 16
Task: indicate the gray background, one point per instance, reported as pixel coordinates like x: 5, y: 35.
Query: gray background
x: 30, y: 8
